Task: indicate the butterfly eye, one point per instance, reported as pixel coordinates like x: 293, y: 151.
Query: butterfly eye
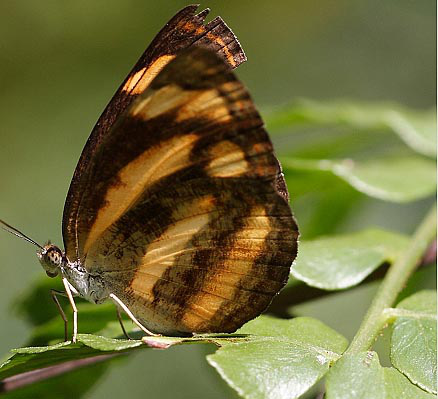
x: 53, y: 257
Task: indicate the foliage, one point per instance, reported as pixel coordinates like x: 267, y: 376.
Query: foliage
x: 343, y: 261
x: 413, y: 342
x: 330, y: 178
x: 361, y: 376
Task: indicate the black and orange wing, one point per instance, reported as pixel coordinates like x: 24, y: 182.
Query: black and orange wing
x: 184, y: 30
x: 184, y: 212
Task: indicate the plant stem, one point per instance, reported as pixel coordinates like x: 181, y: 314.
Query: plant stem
x: 394, y: 281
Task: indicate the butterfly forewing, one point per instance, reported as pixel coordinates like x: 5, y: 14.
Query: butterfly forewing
x: 185, y: 29
x: 178, y: 202
x: 181, y: 214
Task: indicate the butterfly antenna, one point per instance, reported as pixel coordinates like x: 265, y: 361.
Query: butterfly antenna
x: 18, y: 233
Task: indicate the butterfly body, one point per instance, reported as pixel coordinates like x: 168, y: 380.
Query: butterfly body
x: 178, y: 209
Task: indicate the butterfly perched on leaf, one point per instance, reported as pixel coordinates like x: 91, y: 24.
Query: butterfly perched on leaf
x: 178, y: 210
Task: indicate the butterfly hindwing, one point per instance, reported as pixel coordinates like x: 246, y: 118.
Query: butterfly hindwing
x: 185, y: 29
x: 184, y: 212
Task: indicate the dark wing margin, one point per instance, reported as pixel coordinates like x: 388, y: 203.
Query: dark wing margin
x: 184, y: 30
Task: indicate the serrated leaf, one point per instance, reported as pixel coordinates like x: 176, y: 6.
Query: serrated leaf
x: 282, y: 359
x: 396, y: 179
x: 343, y: 261
x: 360, y: 376
x: 414, y: 341
x: 416, y: 128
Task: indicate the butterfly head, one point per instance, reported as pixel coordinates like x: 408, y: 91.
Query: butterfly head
x: 51, y: 259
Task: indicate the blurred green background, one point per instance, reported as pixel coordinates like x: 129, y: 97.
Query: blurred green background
x: 60, y: 63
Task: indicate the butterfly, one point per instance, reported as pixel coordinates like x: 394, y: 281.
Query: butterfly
x: 178, y: 209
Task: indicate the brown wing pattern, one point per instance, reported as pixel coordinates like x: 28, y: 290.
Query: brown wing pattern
x: 186, y: 219
x: 185, y: 29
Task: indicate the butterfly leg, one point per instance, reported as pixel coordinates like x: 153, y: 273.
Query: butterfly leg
x: 118, y: 302
x: 69, y: 291
x: 54, y: 294
x: 119, y: 317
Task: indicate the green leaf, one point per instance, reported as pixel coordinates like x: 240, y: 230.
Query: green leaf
x: 360, y: 376
x: 39, y: 309
x: 339, y: 262
x: 305, y: 347
x: 416, y: 128
x: 248, y: 360
x: 32, y: 358
x: 282, y: 358
x: 396, y: 179
x: 323, y: 349
x: 414, y: 340
x: 108, y: 344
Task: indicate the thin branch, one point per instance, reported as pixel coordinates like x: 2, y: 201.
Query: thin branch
x: 394, y: 281
x: 30, y: 377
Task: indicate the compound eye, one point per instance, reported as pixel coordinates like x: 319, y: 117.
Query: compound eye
x: 54, y: 257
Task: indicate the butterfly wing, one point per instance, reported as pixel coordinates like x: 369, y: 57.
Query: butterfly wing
x: 185, y: 29
x: 184, y: 214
